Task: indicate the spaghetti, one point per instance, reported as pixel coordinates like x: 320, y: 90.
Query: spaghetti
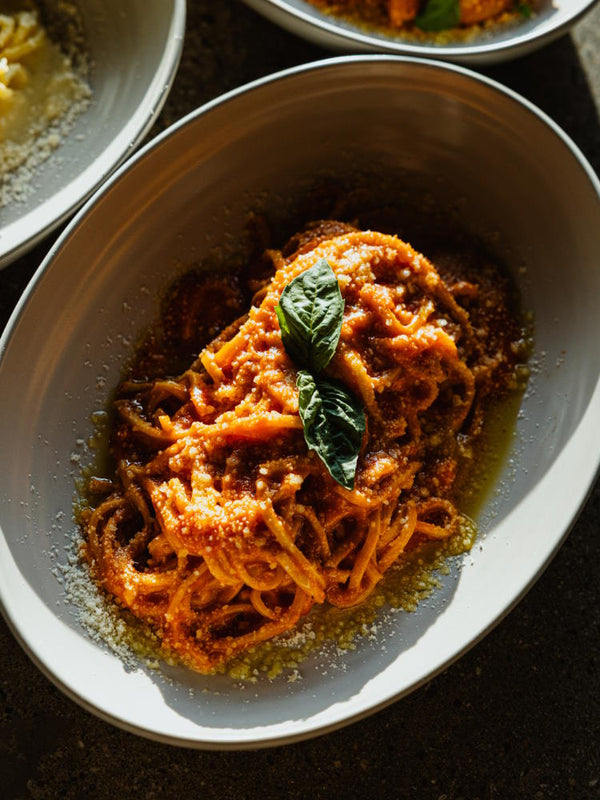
x: 221, y: 528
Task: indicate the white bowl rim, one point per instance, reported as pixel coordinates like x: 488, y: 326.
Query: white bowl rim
x: 483, y: 48
x: 128, y: 139
x: 588, y: 430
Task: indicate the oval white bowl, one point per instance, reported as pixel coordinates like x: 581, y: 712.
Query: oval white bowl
x: 551, y: 20
x: 184, y: 195
x: 134, y: 48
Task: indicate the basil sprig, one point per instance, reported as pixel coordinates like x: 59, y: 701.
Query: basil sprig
x: 310, y: 313
x: 438, y: 15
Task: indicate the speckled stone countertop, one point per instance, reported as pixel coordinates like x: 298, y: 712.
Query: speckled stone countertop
x: 516, y: 717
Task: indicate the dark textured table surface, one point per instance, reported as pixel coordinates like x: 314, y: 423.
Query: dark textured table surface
x: 517, y: 717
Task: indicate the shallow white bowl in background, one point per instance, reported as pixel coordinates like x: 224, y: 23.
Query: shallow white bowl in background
x: 181, y: 198
x: 134, y: 48
x: 552, y: 19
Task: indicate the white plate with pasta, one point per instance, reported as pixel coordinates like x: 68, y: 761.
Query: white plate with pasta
x: 80, y: 85
x: 464, y: 31
x: 194, y: 195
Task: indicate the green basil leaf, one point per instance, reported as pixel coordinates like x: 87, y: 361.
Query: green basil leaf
x: 524, y: 9
x: 334, y: 424
x: 310, y: 313
x: 439, y: 15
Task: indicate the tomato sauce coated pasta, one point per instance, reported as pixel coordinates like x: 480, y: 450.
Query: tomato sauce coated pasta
x: 406, y: 15
x: 221, y: 529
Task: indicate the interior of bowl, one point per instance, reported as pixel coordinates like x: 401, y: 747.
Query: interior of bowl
x: 133, y: 49
x: 438, y: 132
x: 492, y: 45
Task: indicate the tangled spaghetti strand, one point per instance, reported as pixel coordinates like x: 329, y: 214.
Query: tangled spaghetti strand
x: 227, y: 529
